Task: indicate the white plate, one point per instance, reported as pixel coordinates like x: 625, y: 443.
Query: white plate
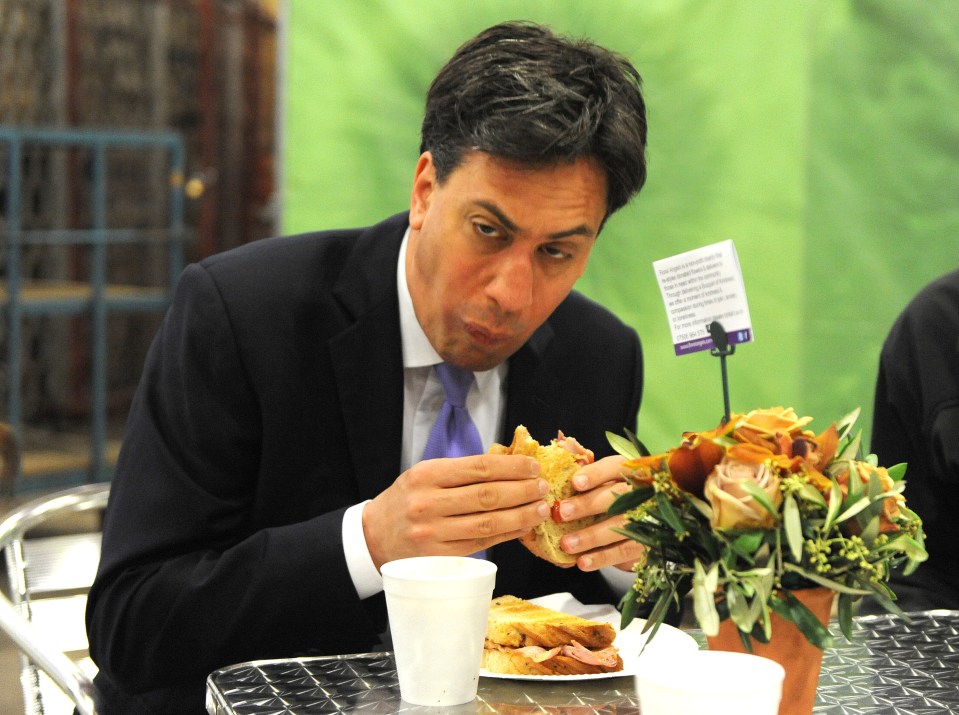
x: 669, y: 641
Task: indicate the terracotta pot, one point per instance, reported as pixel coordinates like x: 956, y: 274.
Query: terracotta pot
x: 788, y: 647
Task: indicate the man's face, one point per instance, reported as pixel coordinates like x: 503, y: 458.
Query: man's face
x: 495, y: 248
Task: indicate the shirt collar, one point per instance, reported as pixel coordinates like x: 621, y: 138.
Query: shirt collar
x: 417, y: 349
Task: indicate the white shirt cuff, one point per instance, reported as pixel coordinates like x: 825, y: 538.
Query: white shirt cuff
x: 366, y: 579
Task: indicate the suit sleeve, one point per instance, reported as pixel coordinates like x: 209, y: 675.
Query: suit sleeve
x: 190, y: 580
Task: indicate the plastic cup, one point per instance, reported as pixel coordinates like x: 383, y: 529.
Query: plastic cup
x: 708, y: 681
x: 438, y: 606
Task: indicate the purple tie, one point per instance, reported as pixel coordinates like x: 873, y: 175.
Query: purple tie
x: 454, y: 434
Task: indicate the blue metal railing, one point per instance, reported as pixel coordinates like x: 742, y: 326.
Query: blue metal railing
x: 99, y: 300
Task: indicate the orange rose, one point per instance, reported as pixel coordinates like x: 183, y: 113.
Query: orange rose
x: 774, y: 421
x: 694, y: 459
x: 733, y: 506
x: 890, y: 505
x: 772, y: 428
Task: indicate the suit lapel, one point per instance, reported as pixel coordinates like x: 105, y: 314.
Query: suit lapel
x: 368, y: 365
x: 531, y: 385
x: 368, y: 360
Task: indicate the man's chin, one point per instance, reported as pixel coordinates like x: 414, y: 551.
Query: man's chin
x: 479, y: 359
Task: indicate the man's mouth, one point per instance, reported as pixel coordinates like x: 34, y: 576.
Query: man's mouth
x: 487, y: 336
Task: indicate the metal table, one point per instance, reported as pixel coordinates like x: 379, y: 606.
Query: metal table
x: 890, y: 667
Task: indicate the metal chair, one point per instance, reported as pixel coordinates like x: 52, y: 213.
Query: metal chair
x: 50, y: 573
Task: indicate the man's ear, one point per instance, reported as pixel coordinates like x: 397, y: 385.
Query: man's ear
x: 424, y: 182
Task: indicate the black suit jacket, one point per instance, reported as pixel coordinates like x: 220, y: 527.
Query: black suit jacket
x: 271, y: 400
x: 916, y: 421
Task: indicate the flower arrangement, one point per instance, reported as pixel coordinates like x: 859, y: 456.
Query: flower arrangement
x: 747, y: 513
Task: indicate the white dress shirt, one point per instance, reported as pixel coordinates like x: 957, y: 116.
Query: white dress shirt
x: 423, y: 396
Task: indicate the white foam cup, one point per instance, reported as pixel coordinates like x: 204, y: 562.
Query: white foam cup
x: 438, y: 606
x: 714, y: 682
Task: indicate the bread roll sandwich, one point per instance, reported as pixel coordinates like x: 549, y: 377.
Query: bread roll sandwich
x: 559, y: 461
x: 525, y: 639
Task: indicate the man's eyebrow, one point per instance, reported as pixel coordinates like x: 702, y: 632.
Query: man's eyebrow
x: 581, y: 230
x: 500, y: 216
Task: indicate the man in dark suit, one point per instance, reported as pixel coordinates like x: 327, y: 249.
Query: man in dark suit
x: 916, y: 421
x: 273, y: 457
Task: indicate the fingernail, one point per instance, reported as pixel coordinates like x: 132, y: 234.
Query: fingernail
x: 543, y: 510
x: 580, y: 481
x: 571, y: 541
x: 543, y: 487
x: 565, y: 510
x: 533, y: 466
x: 586, y: 562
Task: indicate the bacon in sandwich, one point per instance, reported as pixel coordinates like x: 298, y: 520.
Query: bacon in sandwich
x: 523, y: 638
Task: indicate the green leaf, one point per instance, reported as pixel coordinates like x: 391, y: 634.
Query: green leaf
x: 669, y: 514
x: 809, y: 493
x: 704, y: 598
x: 701, y: 506
x: 748, y: 542
x: 640, y: 447
x: 855, y: 490
x: 629, y: 607
x: 897, y: 472
x: 889, y: 604
x: 850, y: 452
x: 738, y: 609
x: 658, y: 614
x: 823, y: 581
x: 807, y: 622
x: 760, y: 496
x: 622, y: 445
x: 870, y: 531
x: 844, y: 615
x: 793, y: 525
x: 851, y: 511
x: 915, y: 552
x: 630, y: 500
x: 845, y: 423
x: 638, y: 536
x: 835, y: 504
x: 744, y: 601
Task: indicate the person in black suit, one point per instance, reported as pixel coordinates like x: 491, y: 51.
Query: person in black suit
x: 272, y: 460
x: 916, y: 421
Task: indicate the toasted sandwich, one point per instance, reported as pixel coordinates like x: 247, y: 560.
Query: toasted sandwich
x: 523, y: 638
x: 559, y: 461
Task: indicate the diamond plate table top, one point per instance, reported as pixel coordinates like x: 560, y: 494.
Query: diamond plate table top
x: 891, y: 666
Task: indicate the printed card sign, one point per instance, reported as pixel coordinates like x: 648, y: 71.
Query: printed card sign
x: 702, y: 286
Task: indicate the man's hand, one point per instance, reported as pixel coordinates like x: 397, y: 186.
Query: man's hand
x: 598, y: 545
x: 455, y: 507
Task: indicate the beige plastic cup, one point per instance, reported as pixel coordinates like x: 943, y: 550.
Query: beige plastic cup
x: 709, y: 681
x: 438, y: 606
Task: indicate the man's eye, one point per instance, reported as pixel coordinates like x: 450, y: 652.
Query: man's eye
x: 486, y: 230
x: 556, y: 252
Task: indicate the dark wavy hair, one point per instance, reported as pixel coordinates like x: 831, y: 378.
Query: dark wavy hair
x: 519, y: 92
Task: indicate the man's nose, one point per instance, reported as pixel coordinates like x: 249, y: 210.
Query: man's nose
x: 512, y: 283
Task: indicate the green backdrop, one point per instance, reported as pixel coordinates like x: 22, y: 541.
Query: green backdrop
x: 822, y: 137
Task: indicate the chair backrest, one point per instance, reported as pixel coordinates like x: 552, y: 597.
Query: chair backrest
x: 51, y: 548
